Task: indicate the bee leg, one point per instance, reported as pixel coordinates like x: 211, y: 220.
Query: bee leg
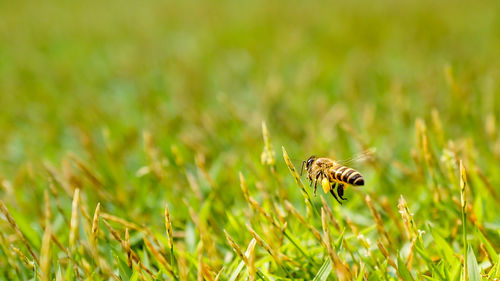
x: 340, y: 191
x: 335, y: 196
x: 315, y: 183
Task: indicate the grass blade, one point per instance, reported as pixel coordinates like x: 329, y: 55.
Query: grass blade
x: 324, y: 271
x: 472, y: 266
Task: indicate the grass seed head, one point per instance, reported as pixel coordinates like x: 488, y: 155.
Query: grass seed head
x: 268, y: 156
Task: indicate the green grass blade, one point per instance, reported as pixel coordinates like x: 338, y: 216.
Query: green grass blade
x: 403, y: 270
x: 237, y: 271
x: 472, y: 266
x: 324, y: 271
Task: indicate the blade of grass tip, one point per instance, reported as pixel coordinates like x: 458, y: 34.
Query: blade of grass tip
x: 250, y: 254
x: 169, y: 230
x: 463, y: 202
x: 45, y: 254
x: 296, y: 176
x: 472, y: 266
x: 95, y: 226
x: 73, y: 230
x: 13, y: 224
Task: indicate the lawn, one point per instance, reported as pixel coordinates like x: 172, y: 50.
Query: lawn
x: 163, y: 140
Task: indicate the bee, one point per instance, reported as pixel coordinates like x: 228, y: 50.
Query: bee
x: 333, y: 176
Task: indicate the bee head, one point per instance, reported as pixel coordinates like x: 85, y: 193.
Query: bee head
x: 310, y: 161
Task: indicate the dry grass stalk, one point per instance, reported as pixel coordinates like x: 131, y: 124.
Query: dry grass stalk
x: 121, y: 221
x: 20, y: 235
x: 8, y: 254
x: 170, y: 234
x: 255, y: 205
x: 45, y: 255
x: 384, y: 252
x: 85, y: 213
x: 437, y: 125
x: 208, y: 242
x: 56, y: 177
x: 487, y: 184
x: 193, y: 184
x: 48, y: 213
x: 485, y: 252
x: 199, y: 273
x: 296, y: 176
x: 153, y: 154
x: 378, y: 220
x: 250, y: 254
x: 329, y: 212
x: 126, y: 249
x: 73, y: 230
x: 94, y: 179
x: 342, y: 270
x: 463, y: 202
x: 304, y: 222
x: 243, y: 186
x: 158, y: 256
x: 386, y: 206
x: 138, y: 268
x: 352, y: 226
x: 182, y: 263
x: 25, y: 260
x: 236, y: 248
x: 200, y: 163
x: 409, y: 258
x: 409, y: 224
x: 55, y: 196
x: 268, y: 156
x: 263, y: 244
x: 95, y: 226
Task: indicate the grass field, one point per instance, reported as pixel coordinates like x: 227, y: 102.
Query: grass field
x: 162, y: 140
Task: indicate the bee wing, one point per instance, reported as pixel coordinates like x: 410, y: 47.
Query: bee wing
x: 366, y: 155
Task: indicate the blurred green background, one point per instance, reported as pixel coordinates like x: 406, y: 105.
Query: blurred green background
x: 206, y: 73
x: 329, y: 78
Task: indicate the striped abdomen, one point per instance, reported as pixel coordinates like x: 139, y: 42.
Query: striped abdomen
x: 346, y: 175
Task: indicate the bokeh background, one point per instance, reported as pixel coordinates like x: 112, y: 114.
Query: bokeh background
x: 205, y: 74
x: 123, y: 84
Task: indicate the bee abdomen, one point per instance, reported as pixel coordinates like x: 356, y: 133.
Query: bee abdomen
x: 350, y: 176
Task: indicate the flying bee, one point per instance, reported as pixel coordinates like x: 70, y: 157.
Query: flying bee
x: 333, y: 176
